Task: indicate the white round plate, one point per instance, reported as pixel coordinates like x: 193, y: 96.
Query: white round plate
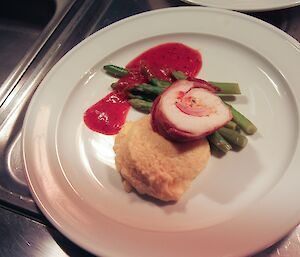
x: 239, y: 204
x: 246, y: 5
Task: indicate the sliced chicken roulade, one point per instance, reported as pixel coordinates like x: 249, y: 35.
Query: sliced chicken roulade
x: 188, y: 111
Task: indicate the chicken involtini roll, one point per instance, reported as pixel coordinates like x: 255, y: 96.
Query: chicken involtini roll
x: 188, y: 110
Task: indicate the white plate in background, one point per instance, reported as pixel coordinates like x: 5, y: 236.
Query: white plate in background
x: 238, y: 205
x: 246, y: 5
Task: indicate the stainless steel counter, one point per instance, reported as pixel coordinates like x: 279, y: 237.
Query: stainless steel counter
x: 23, y: 229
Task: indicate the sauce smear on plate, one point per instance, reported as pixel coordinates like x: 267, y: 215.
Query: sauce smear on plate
x: 161, y: 60
x: 109, y: 114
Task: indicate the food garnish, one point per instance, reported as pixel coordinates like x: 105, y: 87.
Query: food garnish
x: 246, y: 125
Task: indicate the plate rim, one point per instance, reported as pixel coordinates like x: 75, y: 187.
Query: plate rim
x: 245, y: 8
x: 32, y: 102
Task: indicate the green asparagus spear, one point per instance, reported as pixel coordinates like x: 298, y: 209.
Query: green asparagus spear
x: 227, y: 87
x: 149, y: 89
x: 142, y: 96
x: 233, y: 137
x: 133, y: 96
x: 246, y: 125
x: 159, y: 82
x: 231, y: 125
x: 115, y: 70
x: 179, y: 75
x: 218, y: 141
x: 141, y: 105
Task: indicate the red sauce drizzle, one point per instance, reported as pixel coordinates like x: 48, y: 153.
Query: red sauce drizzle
x: 109, y: 114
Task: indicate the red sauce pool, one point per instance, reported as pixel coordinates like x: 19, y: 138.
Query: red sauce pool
x: 161, y: 60
x: 109, y: 114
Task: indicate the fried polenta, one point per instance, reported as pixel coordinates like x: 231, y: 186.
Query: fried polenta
x: 155, y: 166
